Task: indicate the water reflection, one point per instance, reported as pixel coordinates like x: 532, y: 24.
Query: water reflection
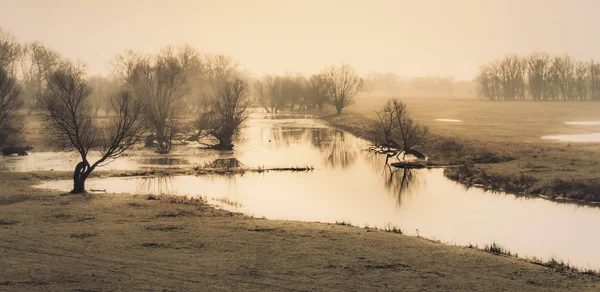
x: 340, y: 153
x: 163, y: 161
x: 401, y: 181
x: 337, y: 151
x: 286, y: 135
x: 161, y: 185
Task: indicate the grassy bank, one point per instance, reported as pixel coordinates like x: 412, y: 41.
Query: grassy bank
x: 532, y: 167
x: 124, y: 242
x: 439, y: 149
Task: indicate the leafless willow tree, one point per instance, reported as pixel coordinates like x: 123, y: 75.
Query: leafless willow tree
x: 399, y: 131
x: 102, y: 89
x: 488, y: 83
x: 10, y: 52
x: 293, y: 90
x: 341, y: 85
x: 315, y: 91
x: 10, y: 123
x: 195, y: 70
x: 581, y: 81
x: 37, y: 64
x: 557, y: 78
x: 219, y: 69
x: 70, y: 123
x: 227, y: 110
x: 269, y: 93
x: 594, y: 76
x: 160, y: 84
x: 563, y: 66
x: 512, y: 71
x: 537, y: 65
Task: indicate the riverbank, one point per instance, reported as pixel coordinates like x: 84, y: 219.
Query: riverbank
x: 554, y: 170
x: 128, y: 242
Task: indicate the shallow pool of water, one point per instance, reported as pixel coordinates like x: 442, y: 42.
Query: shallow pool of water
x: 355, y: 186
x: 448, y: 120
x: 594, y: 137
x: 584, y: 123
x: 266, y: 141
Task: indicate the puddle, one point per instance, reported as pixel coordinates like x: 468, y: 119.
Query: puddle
x: 448, y: 120
x: 588, y: 123
x: 594, y: 137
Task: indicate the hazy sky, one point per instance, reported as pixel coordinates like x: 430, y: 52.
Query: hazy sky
x: 411, y: 38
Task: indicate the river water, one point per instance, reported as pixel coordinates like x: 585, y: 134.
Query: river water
x: 355, y: 186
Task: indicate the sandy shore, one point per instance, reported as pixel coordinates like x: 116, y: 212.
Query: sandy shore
x: 123, y: 242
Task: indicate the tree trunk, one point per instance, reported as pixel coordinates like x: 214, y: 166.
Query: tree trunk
x: 149, y: 141
x: 339, y: 109
x: 79, y: 176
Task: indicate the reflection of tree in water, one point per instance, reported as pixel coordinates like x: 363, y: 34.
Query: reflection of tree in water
x: 331, y: 142
x: 160, y: 185
x: 401, y: 181
x: 286, y: 135
x: 339, y: 153
x: 374, y: 160
x: 319, y: 136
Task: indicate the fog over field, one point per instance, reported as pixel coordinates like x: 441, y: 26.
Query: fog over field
x: 274, y: 145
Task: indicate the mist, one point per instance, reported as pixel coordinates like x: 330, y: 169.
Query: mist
x: 276, y: 145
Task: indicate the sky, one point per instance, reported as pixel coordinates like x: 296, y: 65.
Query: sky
x: 409, y: 38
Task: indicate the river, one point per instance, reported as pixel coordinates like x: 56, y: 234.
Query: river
x: 355, y: 186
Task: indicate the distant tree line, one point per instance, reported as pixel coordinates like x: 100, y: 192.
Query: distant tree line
x: 335, y: 86
x: 426, y: 86
x: 539, y: 77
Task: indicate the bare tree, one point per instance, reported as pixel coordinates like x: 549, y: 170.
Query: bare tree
x: 563, y: 69
x: 594, y: 72
x: 341, y: 85
x: 537, y: 65
x: 227, y: 111
x: 10, y: 124
x: 581, y: 80
x: 219, y: 69
x: 488, y: 82
x: 315, y: 91
x: 71, y: 125
x: 38, y: 63
x: 400, y: 132
x: 293, y: 89
x: 196, y: 76
x: 269, y: 92
x: 102, y: 89
x: 511, y: 71
x: 10, y: 52
x: 160, y: 84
